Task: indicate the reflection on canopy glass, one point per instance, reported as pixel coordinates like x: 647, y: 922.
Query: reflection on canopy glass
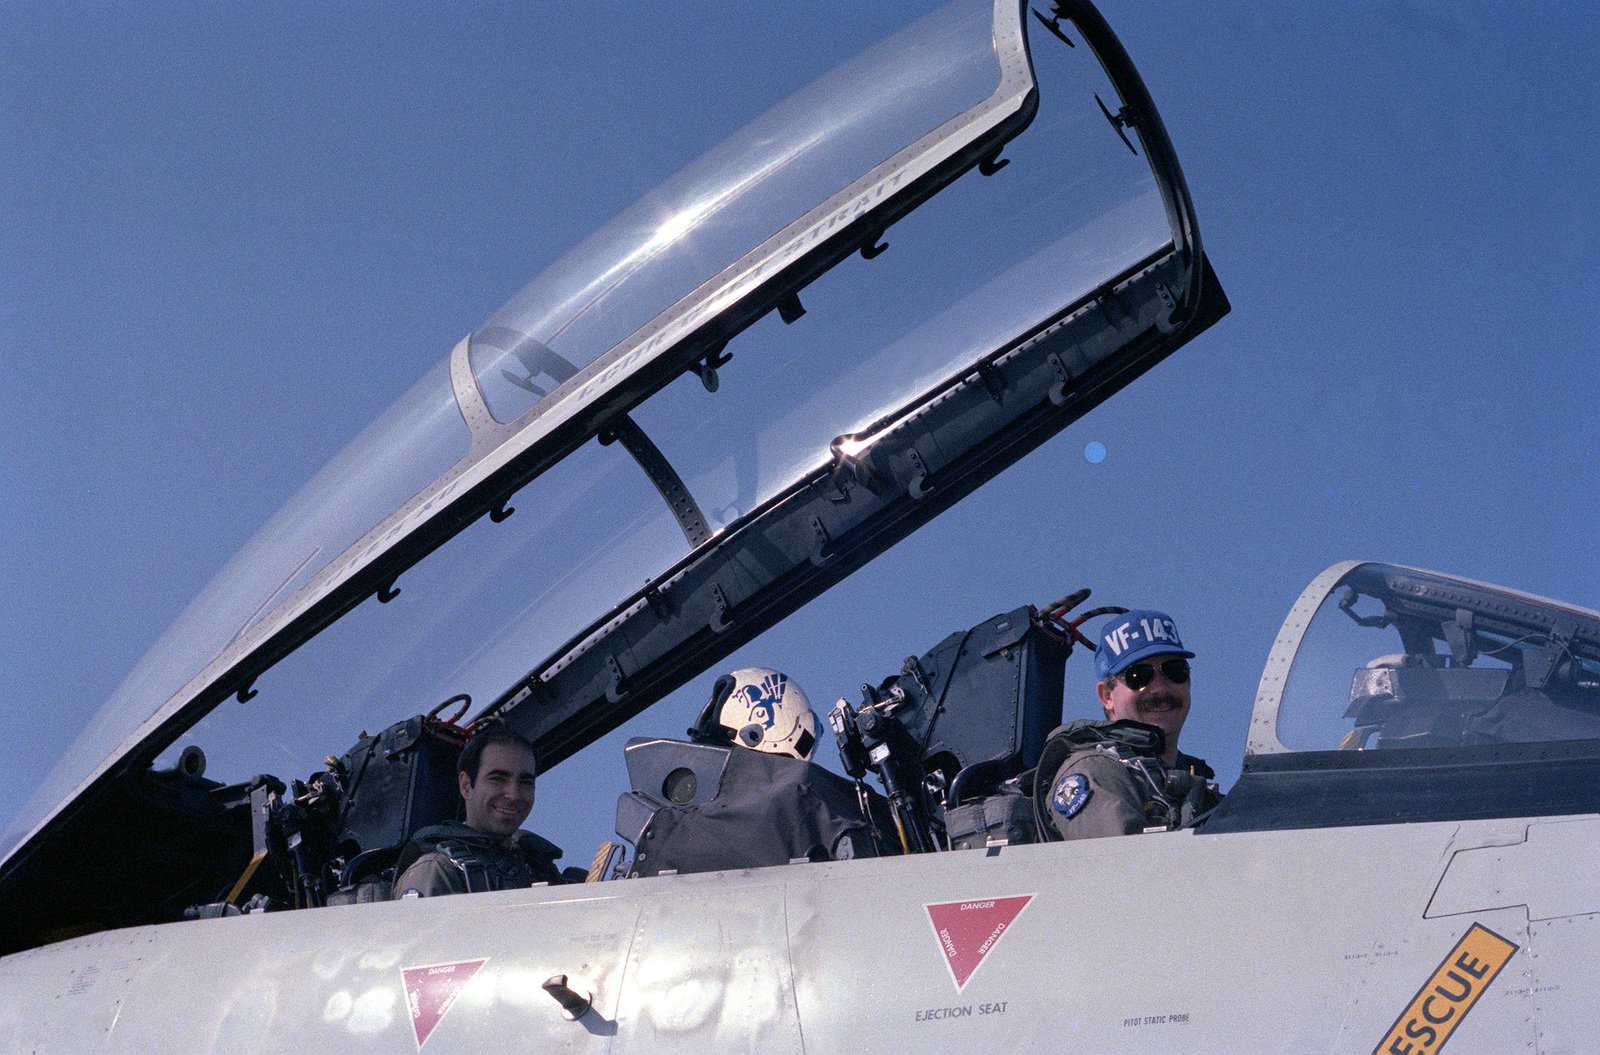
x: 707, y: 217
x: 1400, y: 659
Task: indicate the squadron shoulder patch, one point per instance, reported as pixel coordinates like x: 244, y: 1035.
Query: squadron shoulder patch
x: 1071, y: 794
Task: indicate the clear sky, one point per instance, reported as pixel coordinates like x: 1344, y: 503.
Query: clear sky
x: 231, y: 236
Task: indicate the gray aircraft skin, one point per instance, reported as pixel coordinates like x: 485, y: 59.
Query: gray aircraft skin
x: 1405, y: 865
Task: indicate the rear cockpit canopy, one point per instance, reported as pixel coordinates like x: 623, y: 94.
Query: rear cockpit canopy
x: 1427, y: 661
x: 1393, y: 694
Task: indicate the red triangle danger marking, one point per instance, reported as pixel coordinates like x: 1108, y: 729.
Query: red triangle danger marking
x: 432, y: 989
x: 969, y: 930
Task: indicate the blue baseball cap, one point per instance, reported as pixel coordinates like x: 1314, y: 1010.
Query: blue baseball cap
x: 1126, y: 639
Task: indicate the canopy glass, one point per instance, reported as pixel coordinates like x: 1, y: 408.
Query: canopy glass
x: 988, y: 258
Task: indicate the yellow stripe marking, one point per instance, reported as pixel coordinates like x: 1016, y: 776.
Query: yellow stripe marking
x: 602, y: 861
x: 1444, y: 999
x: 249, y: 870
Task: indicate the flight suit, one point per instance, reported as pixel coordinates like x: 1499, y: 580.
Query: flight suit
x: 1098, y: 778
x: 455, y: 859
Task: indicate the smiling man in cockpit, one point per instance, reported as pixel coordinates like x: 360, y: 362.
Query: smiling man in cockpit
x: 489, y: 851
x: 1126, y: 775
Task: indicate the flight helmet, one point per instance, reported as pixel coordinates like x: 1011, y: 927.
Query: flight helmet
x: 762, y: 709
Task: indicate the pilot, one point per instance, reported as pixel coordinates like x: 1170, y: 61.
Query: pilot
x: 761, y: 709
x: 1125, y: 774
x: 771, y: 805
x: 489, y: 851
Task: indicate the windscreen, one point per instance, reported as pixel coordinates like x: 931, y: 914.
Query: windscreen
x: 1395, y: 659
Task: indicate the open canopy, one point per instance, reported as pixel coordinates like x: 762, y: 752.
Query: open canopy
x: 750, y: 383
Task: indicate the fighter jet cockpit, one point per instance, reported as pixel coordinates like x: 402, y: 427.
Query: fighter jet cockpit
x: 779, y: 362
x: 586, y: 523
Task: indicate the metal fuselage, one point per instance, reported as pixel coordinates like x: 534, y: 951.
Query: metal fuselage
x: 1262, y: 941
x: 1266, y: 932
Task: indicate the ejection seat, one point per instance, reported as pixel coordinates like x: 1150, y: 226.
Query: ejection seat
x: 703, y: 807
x: 980, y: 706
x: 1415, y: 700
x: 399, y: 782
x: 1419, y: 701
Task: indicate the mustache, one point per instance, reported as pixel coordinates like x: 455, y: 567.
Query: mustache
x: 1164, y: 701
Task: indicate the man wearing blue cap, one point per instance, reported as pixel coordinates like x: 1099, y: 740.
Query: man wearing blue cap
x: 1126, y: 775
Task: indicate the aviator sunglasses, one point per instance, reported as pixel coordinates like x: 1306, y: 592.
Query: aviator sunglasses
x: 1139, y: 676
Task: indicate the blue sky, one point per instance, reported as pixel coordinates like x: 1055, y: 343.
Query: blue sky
x: 232, y: 237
